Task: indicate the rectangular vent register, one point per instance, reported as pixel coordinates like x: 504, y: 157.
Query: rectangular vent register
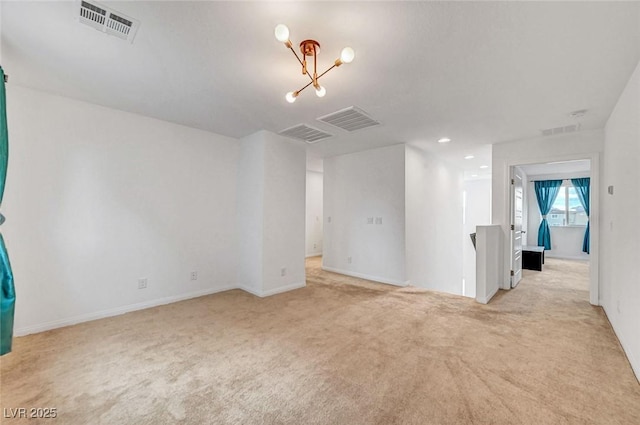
x: 305, y: 133
x: 107, y: 20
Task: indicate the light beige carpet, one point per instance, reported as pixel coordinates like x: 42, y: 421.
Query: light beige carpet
x: 340, y: 351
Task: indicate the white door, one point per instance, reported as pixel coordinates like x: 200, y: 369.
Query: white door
x: 516, y: 226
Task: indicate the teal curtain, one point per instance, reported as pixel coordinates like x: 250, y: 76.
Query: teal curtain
x: 583, y: 187
x: 8, y: 293
x: 546, y: 193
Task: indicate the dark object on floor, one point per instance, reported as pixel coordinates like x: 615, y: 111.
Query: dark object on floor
x: 532, y: 257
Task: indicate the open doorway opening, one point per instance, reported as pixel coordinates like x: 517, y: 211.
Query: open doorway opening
x: 550, y: 211
x: 314, y: 205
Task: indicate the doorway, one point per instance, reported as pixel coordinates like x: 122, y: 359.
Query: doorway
x: 566, y: 218
x: 313, y: 227
x: 517, y: 232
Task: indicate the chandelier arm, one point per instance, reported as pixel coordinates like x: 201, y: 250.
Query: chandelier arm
x: 333, y: 66
x: 308, y: 84
x: 295, y: 54
x: 310, y: 77
x: 297, y: 57
x: 311, y: 82
x: 315, y: 68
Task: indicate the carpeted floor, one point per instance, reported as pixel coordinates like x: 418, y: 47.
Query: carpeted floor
x: 340, y: 351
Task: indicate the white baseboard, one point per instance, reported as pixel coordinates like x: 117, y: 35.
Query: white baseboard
x: 281, y: 289
x: 74, y: 320
x: 367, y: 277
x: 116, y: 311
x: 250, y: 290
x: 547, y: 254
x: 635, y: 364
x: 274, y: 291
x: 317, y: 254
x: 485, y: 300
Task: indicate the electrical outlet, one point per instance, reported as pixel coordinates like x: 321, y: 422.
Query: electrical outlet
x: 142, y: 283
x: 349, y: 260
x: 194, y: 275
x: 283, y: 271
x: 329, y: 219
x: 378, y: 220
x: 369, y: 220
x: 315, y: 246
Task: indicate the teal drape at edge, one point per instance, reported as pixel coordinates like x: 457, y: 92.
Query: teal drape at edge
x: 7, y: 300
x: 7, y: 290
x: 583, y: 187
x: 546, y: 193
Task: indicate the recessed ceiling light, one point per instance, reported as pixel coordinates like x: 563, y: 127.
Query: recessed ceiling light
x: 444, y: 140
x: 484, y: 166
x: 469, y: 157
x: 474, y: 175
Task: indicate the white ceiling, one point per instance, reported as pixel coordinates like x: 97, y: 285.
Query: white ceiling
x: 479, y: 73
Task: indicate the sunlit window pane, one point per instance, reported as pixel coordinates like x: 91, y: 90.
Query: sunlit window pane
x: 577, y: 214
x: 567, y: 209
x: 558, y: 214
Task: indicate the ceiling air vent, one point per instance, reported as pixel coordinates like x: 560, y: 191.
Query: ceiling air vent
x: 305, y: 133
x: 108, y: 20
x: 560, y: 130
x: 350, y: 119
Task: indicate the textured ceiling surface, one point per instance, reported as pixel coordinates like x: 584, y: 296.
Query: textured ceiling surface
x: 479, y: 73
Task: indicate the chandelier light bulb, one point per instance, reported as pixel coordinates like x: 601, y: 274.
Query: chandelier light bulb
x: 282, y: 33
x: 321, y: 91
x: 291, y: 97
x: 347, y: 55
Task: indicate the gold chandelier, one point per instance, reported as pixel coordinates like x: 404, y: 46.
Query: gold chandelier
x: 310, y: 48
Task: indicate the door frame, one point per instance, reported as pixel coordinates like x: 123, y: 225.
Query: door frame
x: 594, y: 217
x: 512, y: 218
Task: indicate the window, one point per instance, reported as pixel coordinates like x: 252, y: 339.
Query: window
x: 567, y: 209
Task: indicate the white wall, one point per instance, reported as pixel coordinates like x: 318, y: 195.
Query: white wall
x: 579, y: 145
x: 284, y: 212
x: 271, y: 214
x: 434, y: 243
x: 358, y: 186
x: 477, y: 212
x: 419, y: 199
x: 97, y: 198
x: 489, y: 243
x: 619, y: 224
x: 566, y: 241
x: 250, y: 209
x: 313, y: 237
